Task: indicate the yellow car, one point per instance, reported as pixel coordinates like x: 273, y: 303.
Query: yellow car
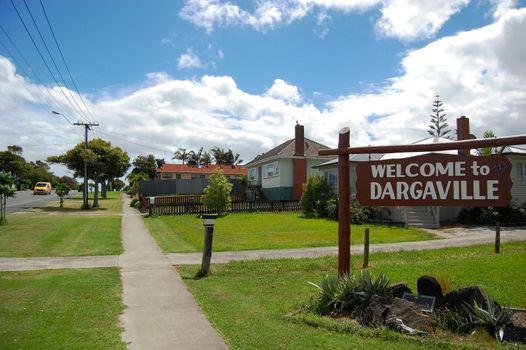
x: 42, y: 188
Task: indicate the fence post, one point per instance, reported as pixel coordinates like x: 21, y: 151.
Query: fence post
x: 497, y: 237
x: 366, y: 249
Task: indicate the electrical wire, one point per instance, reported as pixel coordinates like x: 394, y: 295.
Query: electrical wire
x: 82, y: 114
x: 64, y: 60
x: 41, y: 56
x: 41, y: 85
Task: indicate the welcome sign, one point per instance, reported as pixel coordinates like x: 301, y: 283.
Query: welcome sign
x: 441, y: 180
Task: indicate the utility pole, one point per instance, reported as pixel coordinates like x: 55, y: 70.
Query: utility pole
x: 85, y: 205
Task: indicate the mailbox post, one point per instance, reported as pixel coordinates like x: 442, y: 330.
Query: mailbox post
x: 151, y: 203
x: 208, y: 223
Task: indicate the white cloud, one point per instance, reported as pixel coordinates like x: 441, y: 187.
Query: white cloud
x: 479, y: 73
x: 189, y: 60
x: 220, y: 54
x: 403, y: 19
x: 411, y: 19
x: 284, y: 91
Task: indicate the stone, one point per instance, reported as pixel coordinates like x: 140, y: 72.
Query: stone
x: 378, y: 309
x: 453, y: 301
x: 410, y: 314
x: 398, y: 290
x: 427, y: 285
x: 471, y: 295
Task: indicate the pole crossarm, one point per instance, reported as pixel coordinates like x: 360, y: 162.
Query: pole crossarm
x: 86, y: 124
x: 427, y: 147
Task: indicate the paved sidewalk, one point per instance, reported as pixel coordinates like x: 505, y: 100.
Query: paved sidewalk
x: 456, y: 238
x: 69, y: 262
x: 161, y: 313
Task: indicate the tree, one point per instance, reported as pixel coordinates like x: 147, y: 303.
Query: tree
x: 488, y: 151
x: 216, y: 195
x: 6, y: 190
x: 62, y: 190
x: 223, y: 157
x: 438, y: 126
x: 72, y: 184
x: 117, y: 184
x: 181, y: 155
x: 194, y: 158
x: 206, y: 159
x: 104, y: 162
x: 148, y: 165
x: 133, y: 180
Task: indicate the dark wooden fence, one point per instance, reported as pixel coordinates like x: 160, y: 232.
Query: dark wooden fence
x: 179, y: 205
x: 155, y: 188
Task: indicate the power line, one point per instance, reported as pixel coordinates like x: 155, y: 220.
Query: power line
x: 40, y: 54
x: 42, y: 86
x: 64, y: 60
x: 133, y: 142
x: 81, y: 113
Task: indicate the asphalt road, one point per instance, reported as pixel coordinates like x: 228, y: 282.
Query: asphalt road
x: 26, y: 200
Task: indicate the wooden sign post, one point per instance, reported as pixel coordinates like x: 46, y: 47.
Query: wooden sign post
x: 344, y: 150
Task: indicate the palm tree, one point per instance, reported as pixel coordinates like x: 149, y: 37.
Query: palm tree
x: 194, y: 158
x: 488, y: 151
x: 219, y: 155
x: 438, y: 126
x: 206, y: 159
x: 181, y: 155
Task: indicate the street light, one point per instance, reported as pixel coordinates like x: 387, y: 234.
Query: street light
x: 208, y: 222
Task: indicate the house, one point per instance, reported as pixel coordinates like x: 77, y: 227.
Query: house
x: 183, y: 171
x: 427, y: 216
x: 281, y: 172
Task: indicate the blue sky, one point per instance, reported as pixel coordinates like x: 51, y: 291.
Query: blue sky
x: 159, y: 75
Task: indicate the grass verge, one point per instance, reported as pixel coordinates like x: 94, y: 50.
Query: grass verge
x: 248, y: 302
x: 236, y: 232
x: 61, y: 309
x: 29, y: 235
x: 111, y: 205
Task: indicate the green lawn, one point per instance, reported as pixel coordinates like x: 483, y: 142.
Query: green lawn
x: 248, y: 302
x: 236, y: 232
x: 67, y: 231
x: 111, y: 205
x: 61, y: 309
x: 60, y: 235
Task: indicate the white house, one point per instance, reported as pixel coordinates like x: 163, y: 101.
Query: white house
x: 281, y: 172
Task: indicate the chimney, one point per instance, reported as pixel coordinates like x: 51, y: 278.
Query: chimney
x: 299, y: 140
x: 463, y: 133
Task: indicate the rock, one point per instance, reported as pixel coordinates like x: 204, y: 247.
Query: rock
x: 399, y: 325
x: 427, y: 285
x: 515, y: 334
x: 377, y: 310
x: 410, y: 314
x: 471, y: 295
x: 453, y: 301
x: 398, y: 290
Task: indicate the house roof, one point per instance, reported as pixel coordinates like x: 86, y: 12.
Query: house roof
x: 286, y: 150
x: 183, y: 168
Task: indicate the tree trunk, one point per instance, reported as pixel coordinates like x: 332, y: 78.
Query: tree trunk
x: 96, y: 195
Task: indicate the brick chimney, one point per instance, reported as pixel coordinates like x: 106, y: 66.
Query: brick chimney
x: 463, y: 133
x: 299, y: 140
x: 299, y: 163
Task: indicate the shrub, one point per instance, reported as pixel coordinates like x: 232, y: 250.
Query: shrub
x: 511, y: 215
x: 316, y: 194
x: 363, y: 214
x: 216, y: 195
x: 135, y: 203
x: 62, y: 190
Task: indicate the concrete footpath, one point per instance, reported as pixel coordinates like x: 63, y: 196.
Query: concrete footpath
x: 457, y: 237
x: 161, y: 313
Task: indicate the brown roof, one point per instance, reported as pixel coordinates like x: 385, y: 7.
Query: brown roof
x: 286, y: 150
x: 183, y: 168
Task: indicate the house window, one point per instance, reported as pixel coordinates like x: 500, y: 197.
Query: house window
x: 332, y: 179
x: 252, y: 174
x: 178, y: 176
x: 520, y: 172
x: 270, y: 170
x: 166, y: 176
